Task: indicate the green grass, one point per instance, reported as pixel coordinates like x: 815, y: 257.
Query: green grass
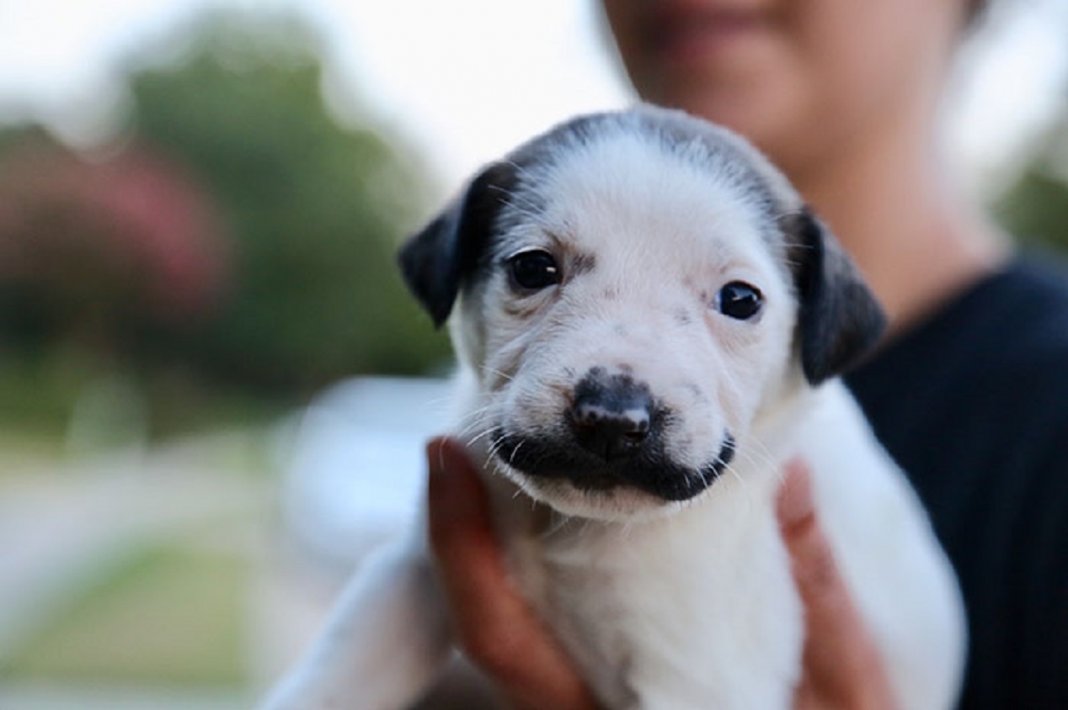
x: 169, y: 615
x: 25, y: 450
x: 38, y: 397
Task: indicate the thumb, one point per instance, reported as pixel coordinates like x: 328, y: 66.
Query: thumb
x: 841, y: 664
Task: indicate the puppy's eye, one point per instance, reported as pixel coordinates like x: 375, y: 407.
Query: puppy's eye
x: 739, y: 300
x: 534, y: 270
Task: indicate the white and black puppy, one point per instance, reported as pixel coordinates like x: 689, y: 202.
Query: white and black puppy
x: 649, y: 323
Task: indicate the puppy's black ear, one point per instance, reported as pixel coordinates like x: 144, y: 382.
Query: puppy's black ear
x: 839, y: 319
x: 436, y: 261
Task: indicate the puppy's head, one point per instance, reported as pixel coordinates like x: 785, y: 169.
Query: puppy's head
x: 634, y: 290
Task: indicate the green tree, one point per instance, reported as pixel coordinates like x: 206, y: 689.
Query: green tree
x: 1035, y: 208
x: 315, y: 209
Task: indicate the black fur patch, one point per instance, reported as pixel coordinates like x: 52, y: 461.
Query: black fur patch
x: 437, y: 260
x: 653, y: 472
x: 839, y: 319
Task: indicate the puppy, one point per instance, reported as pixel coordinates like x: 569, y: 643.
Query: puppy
x: 649, y: 323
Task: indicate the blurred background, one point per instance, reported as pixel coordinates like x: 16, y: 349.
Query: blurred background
x: 214, y: 389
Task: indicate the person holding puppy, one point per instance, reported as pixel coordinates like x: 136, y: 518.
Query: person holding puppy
x: 967, y: 391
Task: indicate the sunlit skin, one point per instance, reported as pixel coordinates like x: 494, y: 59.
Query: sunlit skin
x: 844, y: 96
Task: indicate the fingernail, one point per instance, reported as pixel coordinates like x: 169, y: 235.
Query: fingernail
x: 794, y: 503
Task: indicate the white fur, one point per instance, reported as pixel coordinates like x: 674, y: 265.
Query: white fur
x: 661, y: 605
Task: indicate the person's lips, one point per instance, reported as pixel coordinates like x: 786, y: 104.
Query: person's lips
x: 682, y: 33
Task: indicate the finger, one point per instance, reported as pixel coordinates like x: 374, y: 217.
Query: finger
x: 842, y: 666
x: 496, y: 627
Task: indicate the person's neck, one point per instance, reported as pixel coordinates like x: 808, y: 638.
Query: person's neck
x: 916, y: 240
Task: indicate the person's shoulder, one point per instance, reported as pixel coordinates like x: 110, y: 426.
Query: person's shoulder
x: 989, y: 366
x: 1008, y: 323
x: 1014, y: 338
x: 987, y: 449
x: 1017, y: 328
x: 1027, y: 306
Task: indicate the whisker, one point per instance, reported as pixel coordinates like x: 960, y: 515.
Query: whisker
x: 472, y: 425
x: 511, y: 456
x: 485, y: 433
x: 498, y: 373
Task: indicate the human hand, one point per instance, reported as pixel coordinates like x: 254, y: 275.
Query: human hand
x: 841, y: 667
x: 501, y: 634
x: 495, y: 626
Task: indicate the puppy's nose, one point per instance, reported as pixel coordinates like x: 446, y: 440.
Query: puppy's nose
x: 611, y: 414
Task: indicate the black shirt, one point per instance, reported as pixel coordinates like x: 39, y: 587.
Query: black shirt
x: 973, y: 403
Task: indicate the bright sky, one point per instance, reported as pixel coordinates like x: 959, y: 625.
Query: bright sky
x: 466, y: 80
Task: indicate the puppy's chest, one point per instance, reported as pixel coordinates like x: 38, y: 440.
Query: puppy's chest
x: 683, y: 612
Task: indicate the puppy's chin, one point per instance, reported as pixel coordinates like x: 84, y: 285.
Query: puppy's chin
x: 617, y: 504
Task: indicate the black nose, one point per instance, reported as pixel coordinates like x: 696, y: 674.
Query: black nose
x: 612, y: 415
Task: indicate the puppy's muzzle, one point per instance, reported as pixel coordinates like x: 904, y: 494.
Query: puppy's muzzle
x: 612, y: 416
x: 615, y: 434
